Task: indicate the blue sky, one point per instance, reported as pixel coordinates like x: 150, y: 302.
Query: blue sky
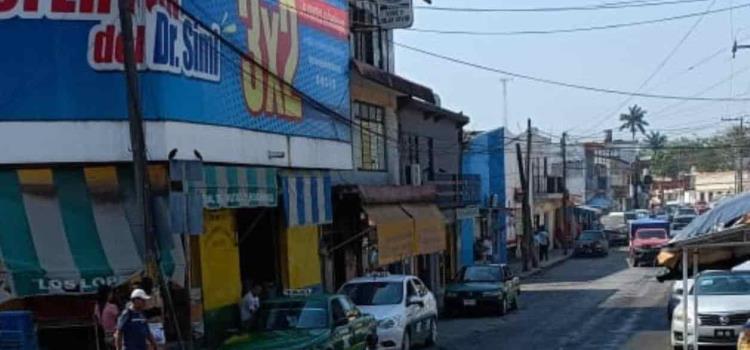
x: 616, y: 59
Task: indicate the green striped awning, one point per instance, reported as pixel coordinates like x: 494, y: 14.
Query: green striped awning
x: 239, y: 187
x: 70, y: 230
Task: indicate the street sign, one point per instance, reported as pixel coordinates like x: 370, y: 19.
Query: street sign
x: 395, y: 14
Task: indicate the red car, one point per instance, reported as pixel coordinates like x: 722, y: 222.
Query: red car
x: 646, y: 244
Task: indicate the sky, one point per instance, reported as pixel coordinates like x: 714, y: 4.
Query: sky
x: 621, y: 59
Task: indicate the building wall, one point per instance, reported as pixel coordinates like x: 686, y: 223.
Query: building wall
x: 445, y: 133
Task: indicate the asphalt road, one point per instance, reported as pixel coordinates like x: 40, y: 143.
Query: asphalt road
x: 588, y: 303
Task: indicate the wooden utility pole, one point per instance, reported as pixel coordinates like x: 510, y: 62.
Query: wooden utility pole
x: 137, y: 139
x: 533, y: 255
x: 524, y: 210
x: 566, y: 229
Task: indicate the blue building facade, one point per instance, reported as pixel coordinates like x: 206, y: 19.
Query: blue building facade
x: 484, y: 155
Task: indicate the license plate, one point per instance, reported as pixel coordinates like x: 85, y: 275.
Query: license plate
x: 470, y: 302
x: 724, y: 333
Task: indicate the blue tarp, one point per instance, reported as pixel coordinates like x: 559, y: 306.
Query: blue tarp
x: 600, y: 201
x: 725, y: 212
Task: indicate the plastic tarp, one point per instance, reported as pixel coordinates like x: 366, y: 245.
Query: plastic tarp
x: 715, y: 219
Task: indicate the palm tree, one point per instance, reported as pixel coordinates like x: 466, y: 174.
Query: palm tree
x: 656, y: 140
x: 634, y: 120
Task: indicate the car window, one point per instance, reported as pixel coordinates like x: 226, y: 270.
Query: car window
x: 410, y: 290
x: 310, y: 314
x: 507, y: 273
x: 349, y: 307
x: 421, y: 288
x: 374, y: 293
x: 480, y: 274
x: 337, y: 310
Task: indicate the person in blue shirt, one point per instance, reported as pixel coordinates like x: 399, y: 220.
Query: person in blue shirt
x: 132, y: 331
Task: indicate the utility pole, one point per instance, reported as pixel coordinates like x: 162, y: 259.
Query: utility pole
x: 564, y: 238
x: 739, y: 177
x: 530, y: 190
x: 135, y: 119
x: 505, y: 81
x: 636, y: 182
x: 525, y: 220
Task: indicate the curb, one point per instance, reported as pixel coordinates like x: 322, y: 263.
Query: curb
x: 538, y: 270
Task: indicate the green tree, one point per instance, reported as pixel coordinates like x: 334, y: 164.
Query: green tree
x: 656, y: 140
x: 634, y: 120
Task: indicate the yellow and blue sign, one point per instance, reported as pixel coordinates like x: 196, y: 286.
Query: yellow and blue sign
x: 62, y: 60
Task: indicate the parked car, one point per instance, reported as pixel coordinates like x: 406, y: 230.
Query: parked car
x: 646, y: 241
x: 723, y: 309
x: 321, y: 321
x: 617, y: 237
x: 675, y: 296
x: 491, y: 287
x: 592, y: 242
x: 680, y: 221
x: 405, y: 309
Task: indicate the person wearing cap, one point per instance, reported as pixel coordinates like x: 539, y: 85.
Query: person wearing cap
x: 133, y: 332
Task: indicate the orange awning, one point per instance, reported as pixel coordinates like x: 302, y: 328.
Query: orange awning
x: 429, y: 227
x: 395, y: 232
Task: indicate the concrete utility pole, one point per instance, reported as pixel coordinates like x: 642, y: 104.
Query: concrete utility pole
x: 564, y: 238
x: 739, y: 177
x: 530, y: 190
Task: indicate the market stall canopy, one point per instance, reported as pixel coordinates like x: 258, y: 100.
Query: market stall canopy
x: 429, y: 227
x: 395, y: 232
x: 72, y: 229
x: 724, y: 214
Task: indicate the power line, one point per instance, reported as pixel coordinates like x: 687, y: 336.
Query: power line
x: 658, y: 69
x: 605, y: 6
x: 560, y: 83
x: 577, y: 29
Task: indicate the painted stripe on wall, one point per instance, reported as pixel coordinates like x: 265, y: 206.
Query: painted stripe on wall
x: 315, y: 199
x: 110, y: 219
x: 80, y: 226
x: 46, y: 224
x: 16, y: 243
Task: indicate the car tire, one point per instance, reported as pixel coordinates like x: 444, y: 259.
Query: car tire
x: 406, y: 341
x: 432, y: 337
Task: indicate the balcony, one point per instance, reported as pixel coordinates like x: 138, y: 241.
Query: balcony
x: 455, y: 191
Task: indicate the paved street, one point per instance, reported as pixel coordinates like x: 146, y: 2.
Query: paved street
x: 590, y: 303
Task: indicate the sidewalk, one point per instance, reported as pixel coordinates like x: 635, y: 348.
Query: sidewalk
x: 556, y: 257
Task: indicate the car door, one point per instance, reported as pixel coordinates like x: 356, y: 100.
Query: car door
x: 342, y: 335
x: 413, y: 311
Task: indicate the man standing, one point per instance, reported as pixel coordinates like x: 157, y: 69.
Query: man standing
x: 543, y: 237
x: 132, y: 331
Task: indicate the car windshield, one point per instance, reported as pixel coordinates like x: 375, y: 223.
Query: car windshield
x: 590, y: 235
x: 374, y: 293
x: 724, y: 284
x: 683, y: 219
x: 292, y: 315
x: 686, y: 211
x: 649, y: 234
x: 480, y: 274
x: 630, y: 216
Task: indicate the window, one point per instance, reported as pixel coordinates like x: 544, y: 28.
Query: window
x: 421, y: 288
x: 410, y: 290
x: 371, y: 120
x: 369, y: 43
x: 337, y: 310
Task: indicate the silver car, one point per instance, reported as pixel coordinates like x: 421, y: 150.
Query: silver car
x: 723, y: 309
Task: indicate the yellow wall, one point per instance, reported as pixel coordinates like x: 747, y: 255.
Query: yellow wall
x: 301, y: 260
x: 220, y: 260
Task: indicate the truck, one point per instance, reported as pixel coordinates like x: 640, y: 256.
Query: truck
x: 647, y: 236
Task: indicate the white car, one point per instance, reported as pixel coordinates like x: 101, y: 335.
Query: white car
x: 405, y: 309
x: 675, y: 296
x: 723, y: 309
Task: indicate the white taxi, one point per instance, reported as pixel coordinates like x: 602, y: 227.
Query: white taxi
x: 405, y: 309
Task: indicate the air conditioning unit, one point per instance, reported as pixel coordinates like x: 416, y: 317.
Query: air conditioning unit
x: 415, y: 174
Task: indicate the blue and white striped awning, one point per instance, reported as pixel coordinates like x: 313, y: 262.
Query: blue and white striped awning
x: 307, y: 197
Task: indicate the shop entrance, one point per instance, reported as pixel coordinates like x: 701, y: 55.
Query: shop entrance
x: 258, y: 231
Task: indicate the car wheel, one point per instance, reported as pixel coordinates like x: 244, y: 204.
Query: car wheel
x: 502, y: 309
x: 406, y: 341
x: 432, y: 337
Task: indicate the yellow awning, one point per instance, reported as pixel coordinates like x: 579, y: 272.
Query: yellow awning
x: 429, y: 227
x: 395, y: 232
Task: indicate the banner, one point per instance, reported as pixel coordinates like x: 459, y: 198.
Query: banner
x: 62, y: 60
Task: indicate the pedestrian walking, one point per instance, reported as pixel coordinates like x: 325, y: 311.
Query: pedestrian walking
x: 105, y: 316
x: 133, y: 332
x: 544, y: 241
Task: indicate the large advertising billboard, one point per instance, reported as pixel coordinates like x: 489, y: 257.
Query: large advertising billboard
x: 62, y: 60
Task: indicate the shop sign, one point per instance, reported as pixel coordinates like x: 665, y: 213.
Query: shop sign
x: 60, y: 56
x: 395, y: 14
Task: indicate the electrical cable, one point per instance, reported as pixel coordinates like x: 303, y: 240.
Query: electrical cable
x: 577, y: 29
x: 605, y: 6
